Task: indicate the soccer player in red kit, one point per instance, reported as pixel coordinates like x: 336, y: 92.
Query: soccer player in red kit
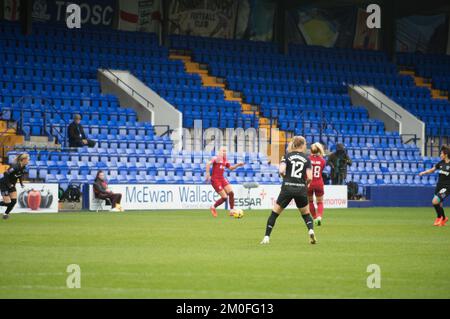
x: 316, y: 187
x: 218, y: 181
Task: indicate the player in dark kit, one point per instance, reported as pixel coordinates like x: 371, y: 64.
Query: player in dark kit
x: 9, y: 180
x: 443, y: 185
x: 295, y: 168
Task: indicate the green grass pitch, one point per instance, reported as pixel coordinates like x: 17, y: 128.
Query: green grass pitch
x: 189, y: 254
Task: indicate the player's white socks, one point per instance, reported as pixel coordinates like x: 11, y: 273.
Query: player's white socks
x: 311, y: 232
x: 265, y: 240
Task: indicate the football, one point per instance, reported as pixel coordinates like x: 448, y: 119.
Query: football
x: 238, y: 213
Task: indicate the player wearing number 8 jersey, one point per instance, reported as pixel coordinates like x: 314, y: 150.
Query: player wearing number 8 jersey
x: 295, y: 168
x: 316, y: 187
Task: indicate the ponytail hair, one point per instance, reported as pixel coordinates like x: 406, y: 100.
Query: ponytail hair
x: 19, y: 158
x: 317, y: 149
x: 446, y: 150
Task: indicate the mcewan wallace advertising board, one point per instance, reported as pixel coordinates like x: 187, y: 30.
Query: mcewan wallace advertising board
x: 151, y: 196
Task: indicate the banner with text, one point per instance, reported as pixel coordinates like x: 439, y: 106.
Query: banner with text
x: 94, y: 13
x: 37, y: 198
x: 151, y: 196
x: 213, y: 18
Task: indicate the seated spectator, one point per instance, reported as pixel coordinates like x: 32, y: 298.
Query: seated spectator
x: 77, y: 138
x: 102, y: 191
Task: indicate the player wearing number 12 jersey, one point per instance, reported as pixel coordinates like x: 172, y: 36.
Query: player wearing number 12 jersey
x: 316, y: 187
x: 295, y: 168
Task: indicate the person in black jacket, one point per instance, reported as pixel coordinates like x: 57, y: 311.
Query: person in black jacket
x: 9, y: 180
x: 102, y: 191
x: 77, y: 138
x: 339, y: 161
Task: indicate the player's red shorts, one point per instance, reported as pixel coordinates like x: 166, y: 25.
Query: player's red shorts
x: 219, y: 184
x: 316, y: 189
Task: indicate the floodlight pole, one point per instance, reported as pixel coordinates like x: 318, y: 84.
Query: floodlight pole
x: 280, y: 27
x: 26, y: 16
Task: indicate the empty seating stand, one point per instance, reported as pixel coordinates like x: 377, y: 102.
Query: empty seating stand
x: 306, y: 93
x: 47, y: 77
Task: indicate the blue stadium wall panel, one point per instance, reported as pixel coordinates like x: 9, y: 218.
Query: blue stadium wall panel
x: 400, y: 196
